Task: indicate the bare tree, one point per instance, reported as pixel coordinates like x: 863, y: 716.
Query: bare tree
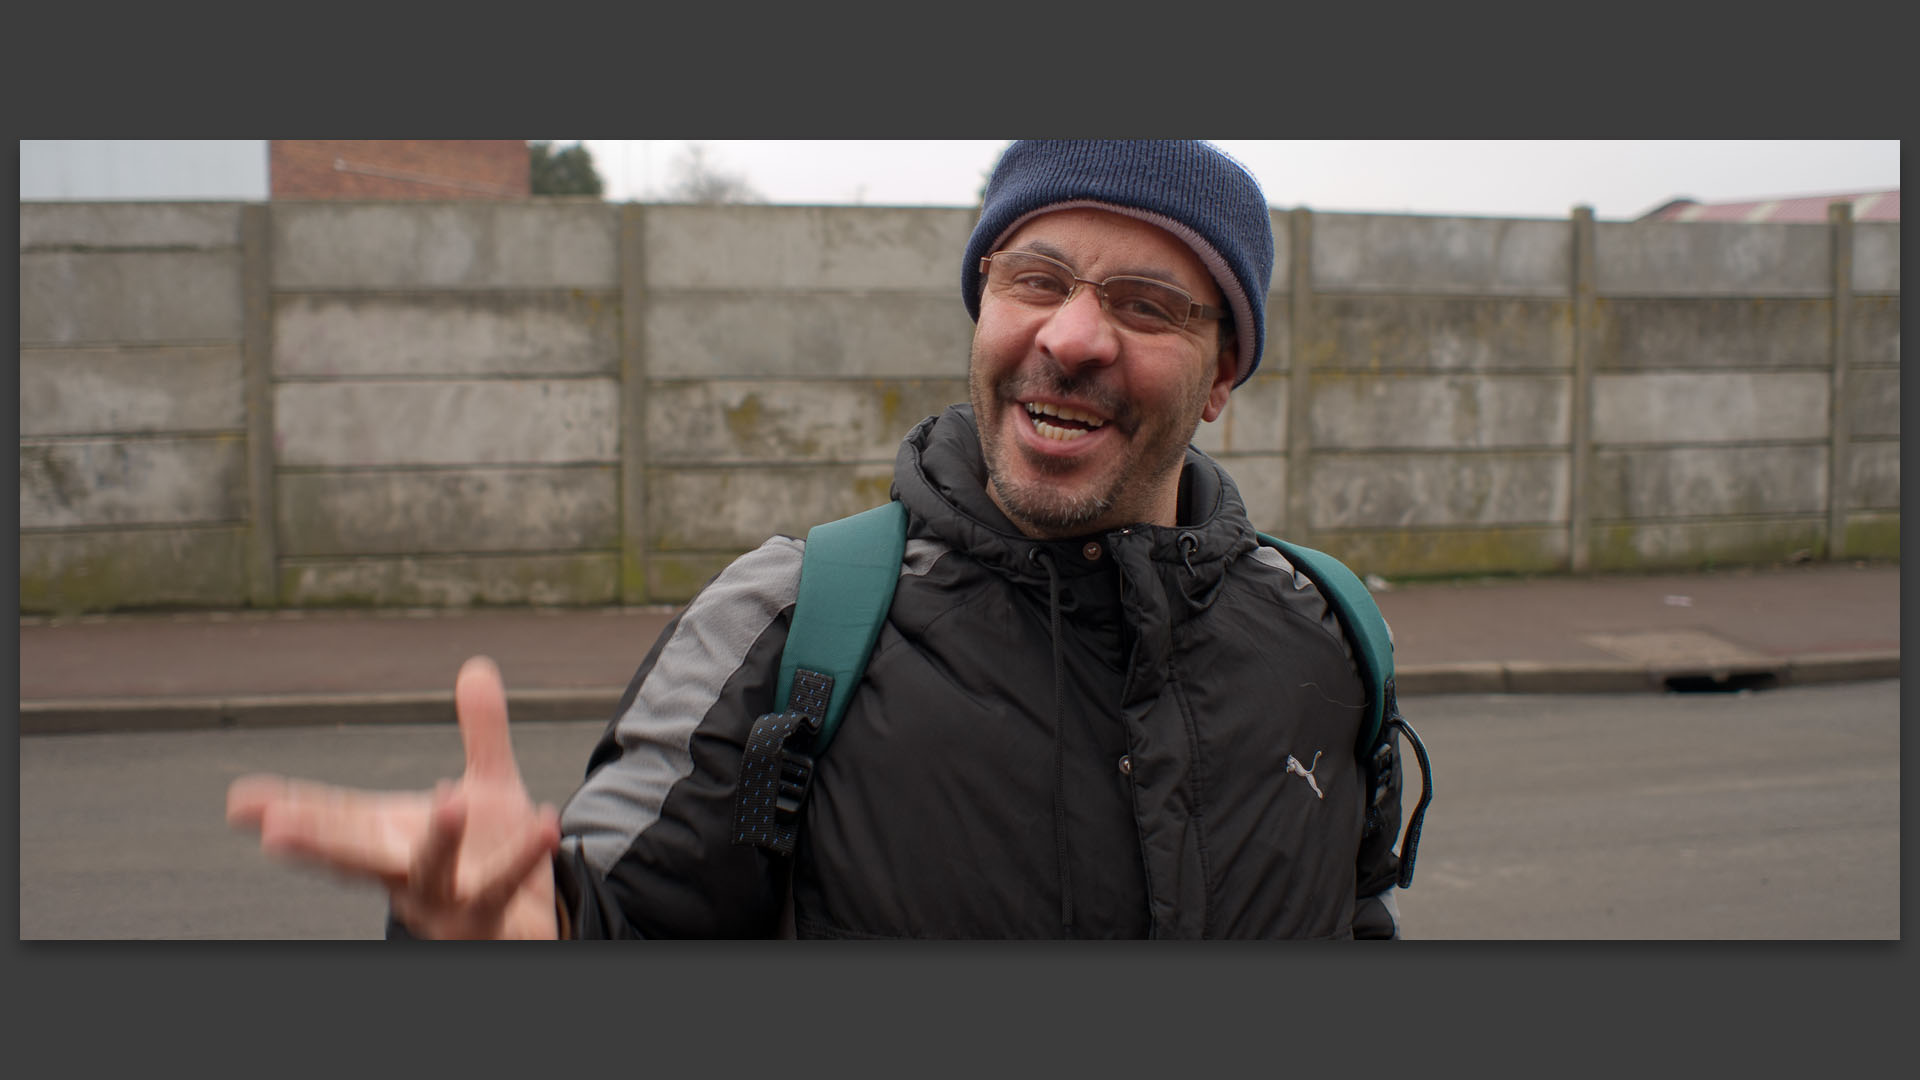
x: 697, y: 178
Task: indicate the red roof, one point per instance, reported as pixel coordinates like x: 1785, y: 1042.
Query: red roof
x: 1867, y: 206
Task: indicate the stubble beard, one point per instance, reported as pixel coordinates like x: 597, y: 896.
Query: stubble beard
x: 1157, y: 448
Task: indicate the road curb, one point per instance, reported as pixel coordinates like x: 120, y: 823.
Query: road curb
x: 1618, y: 677
x: 80, y: 716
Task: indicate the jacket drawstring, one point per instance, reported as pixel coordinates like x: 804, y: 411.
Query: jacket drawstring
x: 1059, y: 754
x: 1189, y: 543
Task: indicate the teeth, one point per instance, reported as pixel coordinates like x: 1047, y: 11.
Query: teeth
x: 1065, y: 412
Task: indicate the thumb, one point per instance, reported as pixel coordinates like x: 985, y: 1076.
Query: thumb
x: 480, y: 702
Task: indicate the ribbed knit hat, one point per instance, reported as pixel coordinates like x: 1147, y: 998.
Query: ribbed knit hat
x: 1191, y: 189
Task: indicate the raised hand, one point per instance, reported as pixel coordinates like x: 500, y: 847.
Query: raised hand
x: 469, y: 859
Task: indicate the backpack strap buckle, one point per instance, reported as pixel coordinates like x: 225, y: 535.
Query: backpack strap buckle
x: 776, y: 771
x: 796, y: 777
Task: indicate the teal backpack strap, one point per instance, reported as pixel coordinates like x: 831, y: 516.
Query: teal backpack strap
x: 846, y: 586
x: 1372, y: 646
x: 847, y: 577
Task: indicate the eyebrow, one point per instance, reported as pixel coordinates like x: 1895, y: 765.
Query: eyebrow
x: 1157, y: 273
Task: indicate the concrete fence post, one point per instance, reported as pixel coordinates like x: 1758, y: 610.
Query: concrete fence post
x: 256, y: 351
x: 1580, y: 412
x: 1299, y: 377
x: 1840, y: 221
x: 634, y: 587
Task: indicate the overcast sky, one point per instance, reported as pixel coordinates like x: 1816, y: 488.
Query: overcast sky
x: 1621, y: 180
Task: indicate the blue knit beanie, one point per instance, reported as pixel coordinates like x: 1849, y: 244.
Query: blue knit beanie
x: 1191, y: 189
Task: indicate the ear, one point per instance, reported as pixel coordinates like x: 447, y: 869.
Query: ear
x: 1224, y: 371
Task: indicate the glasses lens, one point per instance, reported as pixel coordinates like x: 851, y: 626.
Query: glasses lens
x: 1029, y: 279
x: 1147, y: 305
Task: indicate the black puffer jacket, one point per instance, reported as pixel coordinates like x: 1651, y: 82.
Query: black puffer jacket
x: 1088, y: 738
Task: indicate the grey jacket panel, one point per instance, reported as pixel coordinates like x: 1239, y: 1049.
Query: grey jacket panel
x: 646, y: 846
x: 653, y: 733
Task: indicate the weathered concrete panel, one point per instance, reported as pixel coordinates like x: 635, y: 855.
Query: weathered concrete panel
x: 541, y: 244
x: 1873, y: 536
x: 129, y: 225
x: 1766, y: 333
x: 1412, y: 490
x: 71, y: 572
x: 1276, y: 356
x: 1711, y: 258
x: 1873, y: 476
x: 1282, y: 281
x: 69, y: 298
x: 1692, y: 545
x: 89, y: 482
x: 450, y: 422
x: 1441, y: 412
x: 571, y: 333
x: 1873, y: 406
x: 1876, y: 257
x: 451, y: 581
x: 806, y: 247
x: 782, y: 421
x: 1414, y: 553
x: 1398, y: 253
x: 1709, y: 481
x: 735, y: 509
x: 776, y: 335
x: 130, y: 391
x: 1255, y: 419
x: 674, y: 578
x: 1367, y: 333
x: 1262, y: 480
x: 468, y: 510
x: 1874, y: 333
x: 1732, y: 407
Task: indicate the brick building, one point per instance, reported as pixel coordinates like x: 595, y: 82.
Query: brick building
x: 398, y: 169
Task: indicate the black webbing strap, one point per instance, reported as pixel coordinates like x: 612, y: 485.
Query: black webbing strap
x: 1410, y: 844
x: 1382, y: 768
x: 777, y: 767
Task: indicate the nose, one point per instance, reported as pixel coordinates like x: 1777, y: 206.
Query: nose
x: 1078, y: 333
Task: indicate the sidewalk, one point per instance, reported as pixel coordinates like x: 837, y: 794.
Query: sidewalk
x: 1728, y: 629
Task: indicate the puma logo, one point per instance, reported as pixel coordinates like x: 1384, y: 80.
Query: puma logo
x: 1306, y: 772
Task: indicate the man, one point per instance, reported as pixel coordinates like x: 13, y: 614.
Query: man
x: 1097, y: 708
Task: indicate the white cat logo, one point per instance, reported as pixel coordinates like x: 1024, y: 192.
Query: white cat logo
x: 1294, y: 767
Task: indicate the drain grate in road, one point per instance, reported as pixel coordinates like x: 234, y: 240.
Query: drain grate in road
x: 1731, y: 683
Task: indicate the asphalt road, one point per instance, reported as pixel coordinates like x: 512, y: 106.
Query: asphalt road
x: 1754, y: 815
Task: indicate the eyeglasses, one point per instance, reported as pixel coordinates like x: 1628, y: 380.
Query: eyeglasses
x: 1138, y: 303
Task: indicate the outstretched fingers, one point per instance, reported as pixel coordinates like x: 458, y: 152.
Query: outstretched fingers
x: 433, y: 873
x: 505, y: 878
x: 457, y: 860
x: 480, y: 702
x: 249, y: 796
x: 363, y: 834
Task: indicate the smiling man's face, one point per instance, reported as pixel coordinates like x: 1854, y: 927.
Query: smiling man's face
x: 1084, y: 423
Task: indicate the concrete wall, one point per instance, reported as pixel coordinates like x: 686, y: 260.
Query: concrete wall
x: 446, y: 403
x: 133, y: 419
x: 575, y: 402
x: 1500, y: 395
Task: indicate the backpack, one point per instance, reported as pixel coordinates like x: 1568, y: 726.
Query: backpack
x: 847, y: 578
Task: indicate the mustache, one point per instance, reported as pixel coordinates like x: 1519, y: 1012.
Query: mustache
x: 1084, y: 387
